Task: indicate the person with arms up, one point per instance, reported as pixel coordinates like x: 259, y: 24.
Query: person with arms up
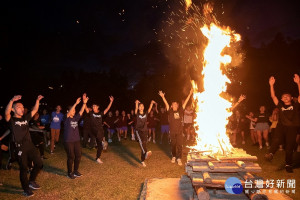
x: 25, y: 149
x: 288, y: 124
x: 176, y: 126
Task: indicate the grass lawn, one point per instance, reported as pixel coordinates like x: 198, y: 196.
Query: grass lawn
x: 120, y: 177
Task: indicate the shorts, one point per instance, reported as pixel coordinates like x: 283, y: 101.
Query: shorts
x: 188, y: 125
x: 262, y: 126
x: 165, y: 129
x: 111, y: 130
x: 123, y: 128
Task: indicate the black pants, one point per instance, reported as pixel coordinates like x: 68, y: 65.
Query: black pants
x: 73, y: 151
x: 28, y: 153
x: 287, y: 134
x: 142, y: 140
x: 12, y: 153
x: 176, y: 144
x: 98, y: 134
x: 86, y: 135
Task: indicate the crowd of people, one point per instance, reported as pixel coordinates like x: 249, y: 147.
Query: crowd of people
x: 25, y: 134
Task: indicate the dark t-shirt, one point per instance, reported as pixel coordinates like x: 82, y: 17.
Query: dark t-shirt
x: 96, y: 120
x: 86, y: 121
x: 20, y: 128
x: 141, y: 122
x: 289, y: 115
x: 110, y: 121
x: 118, y: 121
x: 123, y: 121
x: 151, y: 122
x: 164, y: 118
x: 262, y: 118
x: 71, y: 131
x: 176, y: 120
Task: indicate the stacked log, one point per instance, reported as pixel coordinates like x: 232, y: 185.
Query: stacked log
x: 209, y: 174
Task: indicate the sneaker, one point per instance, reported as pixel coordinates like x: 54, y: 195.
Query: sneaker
x: 77, y: 174
x: 99, y: 161
x: 28, y: 193
x: 33, y: 185
x: 269, y: 156
x: 243, y: 142
x: 144, y: 165
x: 267, y: 144
x: 179, y: 162
x: 148, y: 154
x: 109, y: 140
x: 71, y: 175
x: 119, y: 139
x: 149, y: 139
x: 154, y: 142
x: 173, y: 160
x: 289, y: 169
x: 260, y: 147
x: 132, y: 138
x: 51, y: 152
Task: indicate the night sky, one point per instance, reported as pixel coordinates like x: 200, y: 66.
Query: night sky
x: 52, y: 32
x: 48, y: 38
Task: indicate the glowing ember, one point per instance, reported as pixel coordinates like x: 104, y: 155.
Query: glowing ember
x: 212, y: 110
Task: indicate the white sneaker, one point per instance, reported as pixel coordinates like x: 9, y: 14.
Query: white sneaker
x: 148, y: 154
x: 144, y: 165
x: 132, y: 138
x: 173, y: 160
x: 99, y: 161
x: 109, y: 140
x: 267, y: 144
x: 154, y: 142
x: 243, y: 142
x: 149, y: 139
x: 179, y: 162
x: 260, y: 148
x: 119, y: 139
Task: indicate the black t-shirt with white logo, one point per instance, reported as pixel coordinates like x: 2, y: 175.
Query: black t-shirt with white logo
x: 262, y: 118
x: 20, y: 128
x: 71, y: 131
x: 176, y: 120
x: 289, y: 114
x: 141, y: 122
x: 96, y: 120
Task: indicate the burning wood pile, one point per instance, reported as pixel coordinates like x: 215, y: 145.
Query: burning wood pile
x: 209, y: 174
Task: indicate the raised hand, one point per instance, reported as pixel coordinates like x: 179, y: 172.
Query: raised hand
x: 160, y: 93
x: 242, y: 98
x: 272, y: 80
x: 40, y: 97
x: 16, y: 98
x: 78, y: 100
x: 85, y: 98
x: 296, y: 78
x: 111, y: 98
x: 137, y: 102
x: 153, y: 102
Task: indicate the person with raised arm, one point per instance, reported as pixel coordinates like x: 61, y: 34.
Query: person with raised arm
x: 97, y: 127
x: 289, y: 121
x: 176, y: 126
x: 72, y: 138
x: 142, y: 129
x: 25, y: 149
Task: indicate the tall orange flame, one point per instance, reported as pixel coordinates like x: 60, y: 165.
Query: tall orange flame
x: 212, y: 110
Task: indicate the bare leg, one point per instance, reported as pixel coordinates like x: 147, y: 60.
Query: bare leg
x: 265, y: 135
x: 259, y: 137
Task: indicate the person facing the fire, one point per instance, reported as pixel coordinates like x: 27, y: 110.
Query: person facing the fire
x: 97, y: 127
x: 289, y: 121
x: 142, y: 129
x: 25, y: 149
x: 72, y: 138
x: 176, y: 126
